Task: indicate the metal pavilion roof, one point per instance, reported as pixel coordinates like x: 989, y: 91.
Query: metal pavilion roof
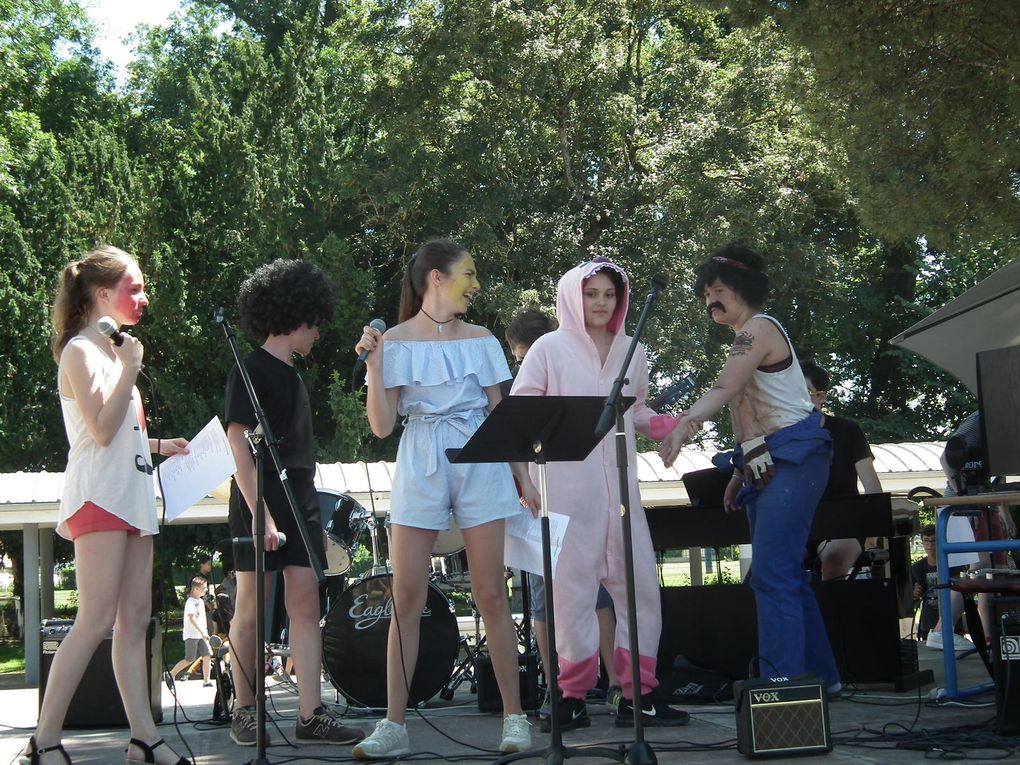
x: 34, y: 497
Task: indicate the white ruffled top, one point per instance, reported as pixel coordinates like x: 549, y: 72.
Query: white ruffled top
x: 443, y: 377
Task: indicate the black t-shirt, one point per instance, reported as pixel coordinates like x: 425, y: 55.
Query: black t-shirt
x: 283, y: 396
x: 849, y: 446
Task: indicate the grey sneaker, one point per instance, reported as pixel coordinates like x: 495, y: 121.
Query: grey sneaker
x: 242, y: 727
x: 516, y: 734
x: 613, y: 696
x: 325, y: 728
x: 546, y: 709
x: 389, y: 739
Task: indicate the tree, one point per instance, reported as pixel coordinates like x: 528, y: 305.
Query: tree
x: 923, y: 95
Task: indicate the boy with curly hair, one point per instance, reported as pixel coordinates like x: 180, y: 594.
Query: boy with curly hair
x: 280, y: 307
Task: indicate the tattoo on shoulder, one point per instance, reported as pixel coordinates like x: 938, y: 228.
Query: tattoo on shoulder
x: 742, y: 344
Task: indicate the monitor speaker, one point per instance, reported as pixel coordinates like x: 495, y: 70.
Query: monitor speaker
x: 488, y: 692
x: 97, y: 702
x: 1006, y: 664
x: 782, y: 718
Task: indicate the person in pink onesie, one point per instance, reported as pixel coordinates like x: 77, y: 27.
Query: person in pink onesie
x: 583, y: 358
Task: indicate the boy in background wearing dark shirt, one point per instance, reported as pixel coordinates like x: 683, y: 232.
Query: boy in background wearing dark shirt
x: 924, y: 579
x: 280, y: 307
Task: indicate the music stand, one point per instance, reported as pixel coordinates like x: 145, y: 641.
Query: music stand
x: 542, y: 429
x: 263, y: 442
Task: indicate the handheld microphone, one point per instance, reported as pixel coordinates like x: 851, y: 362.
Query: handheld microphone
x: 109, y: 327
x: 249, y: 540
x: 376, y: 324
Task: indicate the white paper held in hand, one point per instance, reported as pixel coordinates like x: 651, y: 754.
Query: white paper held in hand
x: 188, y: 478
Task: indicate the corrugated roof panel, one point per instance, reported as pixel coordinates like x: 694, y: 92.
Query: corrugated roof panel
x: 908, y: 457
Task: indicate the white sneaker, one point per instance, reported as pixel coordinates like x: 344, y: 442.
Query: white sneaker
x: 516, y: 734
x: 960, y: 643
x: 935, y: 642
x: 389, y: 739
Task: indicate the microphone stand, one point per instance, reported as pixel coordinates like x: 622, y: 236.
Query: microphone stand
x: 640, y: 752
x: 262, y: 441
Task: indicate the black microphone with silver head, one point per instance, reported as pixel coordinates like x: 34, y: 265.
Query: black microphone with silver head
x: 380, y: 326
x: 249, y: 540
x: 109, y: 327
x: 358, y: 375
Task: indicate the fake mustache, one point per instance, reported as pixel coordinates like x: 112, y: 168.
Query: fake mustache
x: 714, y: 305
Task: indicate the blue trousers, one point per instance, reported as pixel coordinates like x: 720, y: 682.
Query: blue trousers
x: 791, y: 635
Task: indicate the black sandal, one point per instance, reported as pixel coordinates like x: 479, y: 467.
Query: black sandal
x: 36, y: 753
x: 149, y: 756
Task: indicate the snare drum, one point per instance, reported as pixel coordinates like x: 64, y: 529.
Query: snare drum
x: 344, y: 520
x: 449, y: 542
x: 354, y: 637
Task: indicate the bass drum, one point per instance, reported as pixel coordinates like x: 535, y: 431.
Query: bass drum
x: 354, y: 636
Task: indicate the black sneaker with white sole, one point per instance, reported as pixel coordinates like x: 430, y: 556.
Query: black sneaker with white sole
x: 571, y: 713
x: 654, y: 713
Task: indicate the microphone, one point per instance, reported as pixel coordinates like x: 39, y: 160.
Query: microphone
x: 358, y: 375
x: 248, y: 540
x: 658, y: 284
x: 376, y: 324
x: 109, y: 327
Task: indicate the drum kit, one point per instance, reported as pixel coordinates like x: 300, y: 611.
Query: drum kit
x: 356, y: 624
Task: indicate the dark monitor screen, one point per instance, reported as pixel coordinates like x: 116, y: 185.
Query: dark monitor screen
x: 998, y: 374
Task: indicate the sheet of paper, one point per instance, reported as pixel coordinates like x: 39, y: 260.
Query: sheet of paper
x: 187, y: 478
x: 523, y: 542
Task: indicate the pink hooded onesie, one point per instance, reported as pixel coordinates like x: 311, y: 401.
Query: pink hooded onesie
x: 565, y: 362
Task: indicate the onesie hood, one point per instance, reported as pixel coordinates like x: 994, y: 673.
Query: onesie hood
x: 570, y: 299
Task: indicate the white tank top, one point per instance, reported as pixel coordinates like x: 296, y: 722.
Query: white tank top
x: 779, y: 399
x: 117, y: 477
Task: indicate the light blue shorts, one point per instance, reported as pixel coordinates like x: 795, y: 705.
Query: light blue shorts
x: 428, y: 489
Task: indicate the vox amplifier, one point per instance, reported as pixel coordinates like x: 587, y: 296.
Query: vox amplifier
x: 782, y: 718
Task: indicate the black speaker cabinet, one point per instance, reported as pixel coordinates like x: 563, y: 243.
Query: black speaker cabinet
x: 715, y: 626
x: 97, y: 702
x: 488, y: 692
x: 712, y: 626
x: 1006, y: 658
x: 782, y: 718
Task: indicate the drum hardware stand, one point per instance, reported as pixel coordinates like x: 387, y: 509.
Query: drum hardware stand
x: 542, y: 429
x: 465, y: 669
x: 371, y: 525
x: 261, y: 441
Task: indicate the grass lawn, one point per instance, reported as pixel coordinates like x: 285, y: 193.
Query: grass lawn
x: 12, y: 652
x: 12, y: 657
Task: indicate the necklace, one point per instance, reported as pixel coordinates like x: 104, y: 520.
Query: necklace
x: 439, y: 324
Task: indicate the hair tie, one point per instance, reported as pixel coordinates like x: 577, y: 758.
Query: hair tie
x: 731, y: 262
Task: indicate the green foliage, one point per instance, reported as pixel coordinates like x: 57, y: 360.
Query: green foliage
x: 923, y: 98
x: 347, y: 132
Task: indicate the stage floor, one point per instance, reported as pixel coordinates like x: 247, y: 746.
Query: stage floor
x: 868, y: 726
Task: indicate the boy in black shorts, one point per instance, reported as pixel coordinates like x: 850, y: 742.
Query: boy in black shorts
x: 280, y: 307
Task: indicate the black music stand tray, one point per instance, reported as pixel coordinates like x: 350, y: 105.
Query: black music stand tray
x: 542, y: 429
